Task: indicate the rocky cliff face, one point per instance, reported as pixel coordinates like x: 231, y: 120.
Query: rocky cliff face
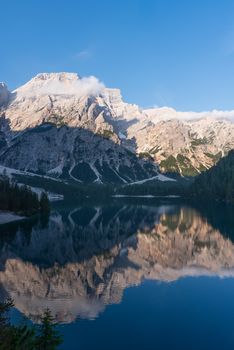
x: 188, y: 147
x: 80, y: 263
x: 62, y: 125
x: 4, y: 95
x: 185, y: 143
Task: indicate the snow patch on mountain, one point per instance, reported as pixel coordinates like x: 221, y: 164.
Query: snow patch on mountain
x: 159, y: 177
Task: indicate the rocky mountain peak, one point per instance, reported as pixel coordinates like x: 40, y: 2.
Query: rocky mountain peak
x: 4, y: 94
x: 62, y: 76
x: 69, y: 84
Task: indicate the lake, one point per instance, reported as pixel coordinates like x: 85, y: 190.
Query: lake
x: 130, y: 274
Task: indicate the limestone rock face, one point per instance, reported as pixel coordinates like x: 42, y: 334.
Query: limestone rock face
x: 181, y: 142
x: 60, y: 125
x: 4, y: 95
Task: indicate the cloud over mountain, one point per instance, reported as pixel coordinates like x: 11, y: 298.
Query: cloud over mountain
x: 61, y: 84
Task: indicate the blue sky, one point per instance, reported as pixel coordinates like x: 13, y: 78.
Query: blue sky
x: 178, y: 53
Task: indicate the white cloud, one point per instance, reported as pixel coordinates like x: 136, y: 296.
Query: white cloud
x: 62, y: 84
x: 167, y: 113
x: 82, y: 54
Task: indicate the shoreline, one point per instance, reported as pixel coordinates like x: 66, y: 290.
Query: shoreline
x: 143, y: 196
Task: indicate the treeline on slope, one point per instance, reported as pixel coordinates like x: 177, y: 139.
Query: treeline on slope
x: 83, y: 192
x: 155, y: 188
x: 21, y: 199
x: 103, y: 192
x: 44, y: 336
x: 217, y: 182
x: 71, y: 191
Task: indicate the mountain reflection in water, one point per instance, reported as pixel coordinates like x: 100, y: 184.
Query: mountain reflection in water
x: 83, y: 259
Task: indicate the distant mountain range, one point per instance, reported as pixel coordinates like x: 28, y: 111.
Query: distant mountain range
x: 61, y: 125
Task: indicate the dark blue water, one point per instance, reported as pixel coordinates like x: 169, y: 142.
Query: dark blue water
x: 158, y: 275
x: 192, y: 313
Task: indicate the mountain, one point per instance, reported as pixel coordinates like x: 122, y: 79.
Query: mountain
x: 217, y: 182
x: 185, y: 143
x: 61, y: 125
x: 4, y: 95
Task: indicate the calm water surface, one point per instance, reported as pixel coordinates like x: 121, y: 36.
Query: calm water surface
x: 157, y: 275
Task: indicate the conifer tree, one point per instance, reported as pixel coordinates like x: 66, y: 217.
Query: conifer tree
x: 217, y: 182
x: 48, y: 337
x: 25, y: 337
x: 44, y: 203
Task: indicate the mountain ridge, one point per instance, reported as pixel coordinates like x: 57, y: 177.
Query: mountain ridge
x: 159, y: 139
